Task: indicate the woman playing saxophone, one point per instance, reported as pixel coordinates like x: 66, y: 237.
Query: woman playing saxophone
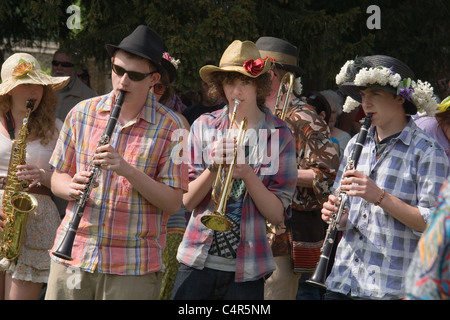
x: 28, y: 133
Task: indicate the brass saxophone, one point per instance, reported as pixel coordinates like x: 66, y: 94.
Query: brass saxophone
x: 17, y: 204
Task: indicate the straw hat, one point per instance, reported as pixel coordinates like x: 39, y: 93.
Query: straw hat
x: 280, y: 52
x: 242, y: 57
x: 23, y: 68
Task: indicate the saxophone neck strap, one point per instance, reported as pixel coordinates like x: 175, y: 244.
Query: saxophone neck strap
x: 10, y: 126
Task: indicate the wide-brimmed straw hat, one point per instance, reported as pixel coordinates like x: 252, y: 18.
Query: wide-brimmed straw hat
x: 388, y: 74
x: 23, y: 68
x: 143, y: 42
x: 280, y: 52
x: 242, y: 57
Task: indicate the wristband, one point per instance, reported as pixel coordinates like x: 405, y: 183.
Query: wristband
x: 381, y: 198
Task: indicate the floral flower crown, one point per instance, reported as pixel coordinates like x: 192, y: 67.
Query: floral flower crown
x: 420, y: 93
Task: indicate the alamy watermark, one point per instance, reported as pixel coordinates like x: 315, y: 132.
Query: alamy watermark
x: 74, y: 20
x: 374, y: 20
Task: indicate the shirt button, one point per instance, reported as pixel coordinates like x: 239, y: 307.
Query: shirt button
x: 356, y: 260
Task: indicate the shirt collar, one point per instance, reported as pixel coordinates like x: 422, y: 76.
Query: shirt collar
x: 148, y: 112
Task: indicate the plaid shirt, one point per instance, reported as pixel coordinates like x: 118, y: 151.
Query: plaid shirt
x: 376, y: 249
x: 254, y: 256
x: 120, y: 232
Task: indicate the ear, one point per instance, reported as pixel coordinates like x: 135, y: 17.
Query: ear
x: 156, y: 77
x: 399, y: 99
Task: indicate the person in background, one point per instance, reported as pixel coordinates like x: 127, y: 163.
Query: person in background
x: 176, y: 225
x: 68, y: 97
x: 336, y: 101
x: 234, y: 263
x: 23, y: 80
x: 75, y: 91
x: 297, y: 242
x: 117, y: 250
x: 438, y: 126
x: 428, y: 276
x: 394, y: 187
x: 206, y: 104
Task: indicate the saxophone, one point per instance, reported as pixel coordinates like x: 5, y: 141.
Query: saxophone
x: 17, y: 204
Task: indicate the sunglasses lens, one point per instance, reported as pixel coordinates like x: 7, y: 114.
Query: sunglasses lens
x: 136, y: 76
x: 133, y: 75
x: 64, y: 64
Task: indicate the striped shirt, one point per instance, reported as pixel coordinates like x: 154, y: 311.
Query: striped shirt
x: 376, y: 249
x: 120, y: 231
x: 254, y: 258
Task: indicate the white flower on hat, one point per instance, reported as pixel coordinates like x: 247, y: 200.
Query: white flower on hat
x: 340, y: 78
x: 350, y: 104
x: 420, y: 93
x: 379, y: 75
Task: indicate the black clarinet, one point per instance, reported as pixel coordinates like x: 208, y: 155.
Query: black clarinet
x: 320, y: 273
x: 64, y: 250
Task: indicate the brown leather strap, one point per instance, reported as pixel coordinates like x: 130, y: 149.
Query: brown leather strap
x: 37, y: 190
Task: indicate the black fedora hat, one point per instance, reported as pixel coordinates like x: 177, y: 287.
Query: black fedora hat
x: 143, y: 42
x: 280, y: 52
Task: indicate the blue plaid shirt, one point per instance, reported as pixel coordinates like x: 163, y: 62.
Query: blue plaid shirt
x: 376, y: 249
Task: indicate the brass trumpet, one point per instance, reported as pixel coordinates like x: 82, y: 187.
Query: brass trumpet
x: 217, y: 221
x: 285, y: 89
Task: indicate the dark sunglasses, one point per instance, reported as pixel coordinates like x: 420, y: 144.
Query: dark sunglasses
x: 133, y: 75
x: 159, y: 89
x: 64, y: 64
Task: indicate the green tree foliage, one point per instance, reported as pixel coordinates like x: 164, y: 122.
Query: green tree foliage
x: 326, y: 32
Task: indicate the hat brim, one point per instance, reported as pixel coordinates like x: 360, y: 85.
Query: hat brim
x: 206, y: 71
x: 40, y: 78
x: 350, y: 89
x: 290, y: 68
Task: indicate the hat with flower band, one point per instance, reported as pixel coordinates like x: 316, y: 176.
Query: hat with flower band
x: 170, y: 65
x: 23, y: 68
x: 388, y: 74
x: 240, y: 56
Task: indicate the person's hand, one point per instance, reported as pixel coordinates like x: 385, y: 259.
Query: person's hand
x: 109, y: 159
x: 79, y: 183
x: 28, y: 172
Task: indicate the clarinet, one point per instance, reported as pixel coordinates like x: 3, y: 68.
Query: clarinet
x: 319, y: 276
x: 64, y: 250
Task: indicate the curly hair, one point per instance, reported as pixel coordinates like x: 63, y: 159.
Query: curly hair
x: 42, y: 119
x: 263, y: 85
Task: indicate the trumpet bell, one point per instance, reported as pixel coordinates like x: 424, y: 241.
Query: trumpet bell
x: 216, y: 222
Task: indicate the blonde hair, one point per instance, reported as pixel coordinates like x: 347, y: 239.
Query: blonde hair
x: 42, y: 119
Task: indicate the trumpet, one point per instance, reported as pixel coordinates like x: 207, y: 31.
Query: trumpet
x: 285, y: 89
x: 217, y: 221
x: 319, y: 276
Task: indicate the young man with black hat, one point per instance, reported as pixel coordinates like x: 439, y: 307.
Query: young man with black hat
x: 394, y: 187
x: 296, y: 247
x: 118, y: 245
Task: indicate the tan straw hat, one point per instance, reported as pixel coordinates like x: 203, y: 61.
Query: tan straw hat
x: 23, y: 68
x: 242, y: 57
